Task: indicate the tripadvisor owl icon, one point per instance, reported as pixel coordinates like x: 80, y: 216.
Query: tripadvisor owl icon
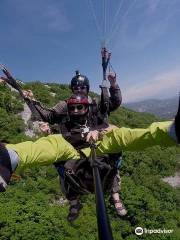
x: 139, y: 231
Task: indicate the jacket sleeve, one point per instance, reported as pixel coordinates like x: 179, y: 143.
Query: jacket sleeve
x: 51, y: 115
x: 126, y: 139
x: 115, y: 99
x: 44, y: 151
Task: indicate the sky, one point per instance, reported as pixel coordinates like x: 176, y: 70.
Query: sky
x: 47, y: 40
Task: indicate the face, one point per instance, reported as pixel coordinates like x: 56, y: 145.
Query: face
x: 80, y: 90
x: 77, y: 109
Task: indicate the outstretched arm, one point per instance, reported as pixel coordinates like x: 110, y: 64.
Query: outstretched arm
x: 54, y: 148
x: 126, y: 139
x: 50, y: 115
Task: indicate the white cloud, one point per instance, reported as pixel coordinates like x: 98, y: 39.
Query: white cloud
x: 153, y: 4
x: 161, y: 85
x: 40, y: 16
x: 56, y: 18
x: 154, y: 18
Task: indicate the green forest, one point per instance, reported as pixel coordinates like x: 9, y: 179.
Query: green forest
x: 30, y: 209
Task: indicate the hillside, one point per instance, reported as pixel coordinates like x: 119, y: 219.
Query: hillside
x: 165, y: 108
x: 30, y: 209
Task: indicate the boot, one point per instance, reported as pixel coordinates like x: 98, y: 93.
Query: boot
x: 118, y: 205
x: 121, y: 211
x: 5, y: 168
x: 74, y: 209
x: 177, y: 122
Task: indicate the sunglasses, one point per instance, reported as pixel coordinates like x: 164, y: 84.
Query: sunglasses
x: 78, y: 107
x: 79, y: 88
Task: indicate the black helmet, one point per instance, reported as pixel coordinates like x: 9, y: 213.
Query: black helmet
x: 79, y: 80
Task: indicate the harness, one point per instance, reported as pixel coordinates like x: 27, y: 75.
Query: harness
x: 77, y: 175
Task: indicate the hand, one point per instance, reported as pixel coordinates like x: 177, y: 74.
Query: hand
x: 106, y: 130
x: 110, y: 128
x: 92, y: 135
x: 28, y: 94
x: 44, y: 127
x: 112, y: 79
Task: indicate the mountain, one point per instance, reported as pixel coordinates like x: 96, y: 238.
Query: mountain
x: 33, y: 207
x: 165, y: 108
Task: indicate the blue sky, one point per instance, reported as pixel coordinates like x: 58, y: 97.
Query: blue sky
x: 48, y: 40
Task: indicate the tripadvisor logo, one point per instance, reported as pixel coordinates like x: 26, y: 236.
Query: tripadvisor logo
x: 140, y: 231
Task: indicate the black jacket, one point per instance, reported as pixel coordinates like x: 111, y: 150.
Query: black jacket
x: 58, y: 113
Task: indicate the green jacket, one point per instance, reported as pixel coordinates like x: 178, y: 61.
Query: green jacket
x: 54, y: 148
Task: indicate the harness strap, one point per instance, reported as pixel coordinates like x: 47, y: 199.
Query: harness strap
x: 76, y: 186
